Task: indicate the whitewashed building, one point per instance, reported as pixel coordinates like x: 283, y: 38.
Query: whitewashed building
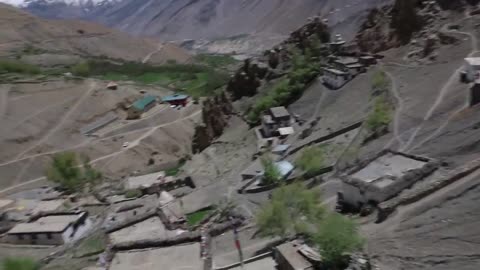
x: 472, y: 68
x: 55, y: 229
x: 335, y: 78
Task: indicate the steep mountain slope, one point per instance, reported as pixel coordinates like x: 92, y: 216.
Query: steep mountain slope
x: 259, y: 20
x: 20, y: 30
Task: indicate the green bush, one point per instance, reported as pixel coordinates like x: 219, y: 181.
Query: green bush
x: 197, y: 217
x: 216, y: 61
x: 292, y: 210
x: 133, y: 193
x: 312, y: 160
x: 380, y: 81
x: 81, y: 69
x: 20, y: 264
x: 16, y: 66
x: 336, y: 237
x: 72, y: 175
x: 271, y: 173
x: 380, y: 117
x: 288, y: 89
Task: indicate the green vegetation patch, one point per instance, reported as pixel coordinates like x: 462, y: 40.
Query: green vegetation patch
x: 196, y: 80
x: 216, y: 60
x: 16, y: 66
x: 380, y: 117
x: 173, y: 171
x: 71, y: 173
x: 19, y: 264
x: 312, y: 160
x: 305, y: 68
x: 195, y: 218
x: 93, y: 245
x: 133, y: 193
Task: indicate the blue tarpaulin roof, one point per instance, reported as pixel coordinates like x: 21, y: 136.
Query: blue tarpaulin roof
x: 143, y: 102
x: 174, y: 97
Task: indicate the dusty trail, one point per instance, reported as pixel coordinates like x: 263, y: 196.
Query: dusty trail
x: 147, y: 58
x: 65, y: 118
x: 398, y: 110
x: 446, y: 87
x: 131, y: 145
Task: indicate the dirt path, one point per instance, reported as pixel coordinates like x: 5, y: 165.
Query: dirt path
x: 398, y: 109
x: 65, y: 118
x: 145, y: 60
x: 131, y: 145
x: 446, y: 87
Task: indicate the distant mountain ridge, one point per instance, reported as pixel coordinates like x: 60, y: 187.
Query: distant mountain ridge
x: 195, y: 19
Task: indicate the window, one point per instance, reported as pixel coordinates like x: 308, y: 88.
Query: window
x: 20, y: 236
x: 49, y: 236
x: 34, y: 237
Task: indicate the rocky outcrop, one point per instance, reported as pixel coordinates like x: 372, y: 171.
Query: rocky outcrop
x: 276, y: 62
x: 399, y: 24
x: 247, y: 79
x: 215, y: 114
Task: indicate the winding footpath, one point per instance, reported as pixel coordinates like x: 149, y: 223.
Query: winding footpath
x: 440, y: 98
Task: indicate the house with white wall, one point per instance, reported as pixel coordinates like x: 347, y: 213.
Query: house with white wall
x: 472, y: 68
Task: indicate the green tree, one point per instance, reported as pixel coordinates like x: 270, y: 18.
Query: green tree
x: 271, y: 173
x: 20, y: 264
x: 336, y: 237
x: 380, y: 81
x: 380, y: 117
x: 312, y: 160
x: 70, y: 174
x: 81, y: 69
x: 293, y: 209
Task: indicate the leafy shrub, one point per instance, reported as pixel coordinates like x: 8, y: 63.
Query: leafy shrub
x: 16, y: 66
x: 311, y: 161
x: 20, y: 264
x: 133, y: 193
x: 81, y: 69
x: 271, y: 173
x: 380, y: 117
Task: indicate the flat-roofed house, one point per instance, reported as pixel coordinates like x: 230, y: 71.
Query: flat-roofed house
x: 276, y: 118
x: 472, y: 68
x: 140, y: 106
x: 55, y: 229
x: 335, y: 78
x: 288, y: 257
x: 176, y: 100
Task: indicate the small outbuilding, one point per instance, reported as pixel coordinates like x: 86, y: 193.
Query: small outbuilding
x: 54, y: 229
x: 176, y: 100
x: 112, y: 86
x: 335, y: 78
x: 140, y: 106
x: 472, y: 68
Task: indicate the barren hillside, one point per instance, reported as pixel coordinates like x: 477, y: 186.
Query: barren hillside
x: 20, y: 32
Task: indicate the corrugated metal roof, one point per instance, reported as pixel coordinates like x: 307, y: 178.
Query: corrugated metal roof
x: 174, y: 97
x: 143, y: 102
x: 284, y: 167
x: 286, y: 131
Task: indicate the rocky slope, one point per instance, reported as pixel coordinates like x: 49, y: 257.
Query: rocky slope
x: 239, y: 25
x: 404, y: 21
x: 24, y: 33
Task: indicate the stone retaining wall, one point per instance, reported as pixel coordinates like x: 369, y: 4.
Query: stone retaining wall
x: 386, y: 208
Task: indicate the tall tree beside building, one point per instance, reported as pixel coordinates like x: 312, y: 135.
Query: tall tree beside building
x: 70, y: 174
x: 291, y: 211
x: 336, y: 237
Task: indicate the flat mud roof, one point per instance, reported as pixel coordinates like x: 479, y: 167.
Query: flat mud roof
x: 390, y: 165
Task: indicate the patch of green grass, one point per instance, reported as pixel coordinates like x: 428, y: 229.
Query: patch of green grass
x: 195, y: 80
x: 174, y: 170
x: 216, y: 61
x: 196, y: 217
x: 92, y: 245
x: 312, y: 160
x: 133, y: 193
x: 19, y: 264
x: 16, y: 66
